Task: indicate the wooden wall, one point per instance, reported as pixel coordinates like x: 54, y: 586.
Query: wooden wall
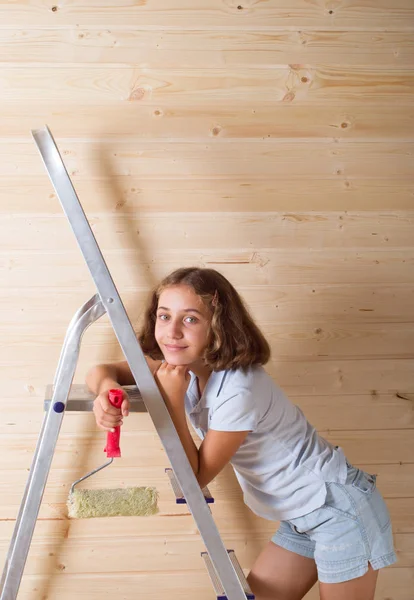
x: 270, y: 140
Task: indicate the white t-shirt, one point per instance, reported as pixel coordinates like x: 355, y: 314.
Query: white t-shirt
x: 283, y: 463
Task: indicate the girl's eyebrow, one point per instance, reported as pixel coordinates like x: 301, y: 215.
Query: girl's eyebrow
x: 184, y: 310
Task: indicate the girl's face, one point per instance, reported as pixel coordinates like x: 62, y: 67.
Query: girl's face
x: 182, y: 325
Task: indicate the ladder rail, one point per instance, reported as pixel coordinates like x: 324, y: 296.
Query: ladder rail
x: 43, y: 456
x: 133, y: 353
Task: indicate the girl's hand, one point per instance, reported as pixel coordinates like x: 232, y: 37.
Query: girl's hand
x: 107, y: 416
x: 173, y: 382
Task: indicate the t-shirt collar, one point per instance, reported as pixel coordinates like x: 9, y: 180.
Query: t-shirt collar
x: 210, y: 392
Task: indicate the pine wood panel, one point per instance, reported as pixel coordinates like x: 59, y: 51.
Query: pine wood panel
x: 185, y: 87
x: 239, y: 129
x: 220, y: 159
x: 128, y: 194
x: 167, y: 48
x: 201, y: 14
x: 254, y: 121
x: 22, y: 269
x: 145, y: 233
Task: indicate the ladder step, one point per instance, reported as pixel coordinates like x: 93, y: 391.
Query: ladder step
x: 216, y: 581
x: 179, y: 496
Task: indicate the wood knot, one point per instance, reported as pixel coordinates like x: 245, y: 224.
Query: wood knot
x: 289, y: 97
x: 137, y: 94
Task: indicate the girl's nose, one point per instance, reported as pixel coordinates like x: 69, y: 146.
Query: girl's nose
x: 175, y: 330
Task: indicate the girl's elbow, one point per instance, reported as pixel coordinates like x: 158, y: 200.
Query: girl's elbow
x: 203, y: 479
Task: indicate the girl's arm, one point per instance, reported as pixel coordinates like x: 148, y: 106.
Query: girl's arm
x: 103, y: 377
x: 217, y: 447
x: 216, y: 451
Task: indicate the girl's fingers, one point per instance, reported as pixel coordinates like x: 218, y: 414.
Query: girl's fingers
x: 108, y: 421
x: 125, y: 407
x: 111, y: 422
x: 111, y: 410
x: 108, y: 429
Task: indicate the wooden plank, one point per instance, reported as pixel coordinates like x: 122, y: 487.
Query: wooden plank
x: 162, y: 49
x: 389, y: 14
x: 242, y: 267
x: 222, y: 159
x: 377, y: 411
x: 132, y: 195
x: 181, y: 232
x: 283, y: 120
x: 297, y: 84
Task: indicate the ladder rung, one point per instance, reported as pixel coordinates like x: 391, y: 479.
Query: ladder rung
x: 220, y: 593
x: 81, y: 399
x: 179, y: 496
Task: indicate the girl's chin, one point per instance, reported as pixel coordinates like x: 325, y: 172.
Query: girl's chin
x: 172, y: 359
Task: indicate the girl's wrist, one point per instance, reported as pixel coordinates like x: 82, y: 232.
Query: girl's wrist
x: 107, y: 384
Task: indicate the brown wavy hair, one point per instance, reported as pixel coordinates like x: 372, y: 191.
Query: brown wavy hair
x: 235, y: 341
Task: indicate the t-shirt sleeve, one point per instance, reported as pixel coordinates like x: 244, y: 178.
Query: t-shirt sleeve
x: 234, y: 413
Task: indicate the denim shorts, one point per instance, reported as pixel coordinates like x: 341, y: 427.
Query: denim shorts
x: 353, y: 528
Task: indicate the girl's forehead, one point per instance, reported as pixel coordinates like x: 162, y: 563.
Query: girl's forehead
x: 180, y: 297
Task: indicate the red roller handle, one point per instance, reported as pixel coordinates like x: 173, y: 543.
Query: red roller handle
x: 112, y: 448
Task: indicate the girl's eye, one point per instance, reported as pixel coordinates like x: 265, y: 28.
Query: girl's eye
x: 192, y: 319
x: 161, y: 317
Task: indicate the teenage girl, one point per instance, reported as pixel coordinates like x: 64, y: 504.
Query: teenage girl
x: 207, y: 357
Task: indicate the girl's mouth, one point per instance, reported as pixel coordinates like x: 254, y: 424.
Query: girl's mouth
x: 175, y: 348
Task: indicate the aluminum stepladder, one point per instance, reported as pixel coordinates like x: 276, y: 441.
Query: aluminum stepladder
x: 225, y: 572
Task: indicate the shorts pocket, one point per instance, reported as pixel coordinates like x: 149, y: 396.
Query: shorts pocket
x: 339, y: 502
x: 380, y: 510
